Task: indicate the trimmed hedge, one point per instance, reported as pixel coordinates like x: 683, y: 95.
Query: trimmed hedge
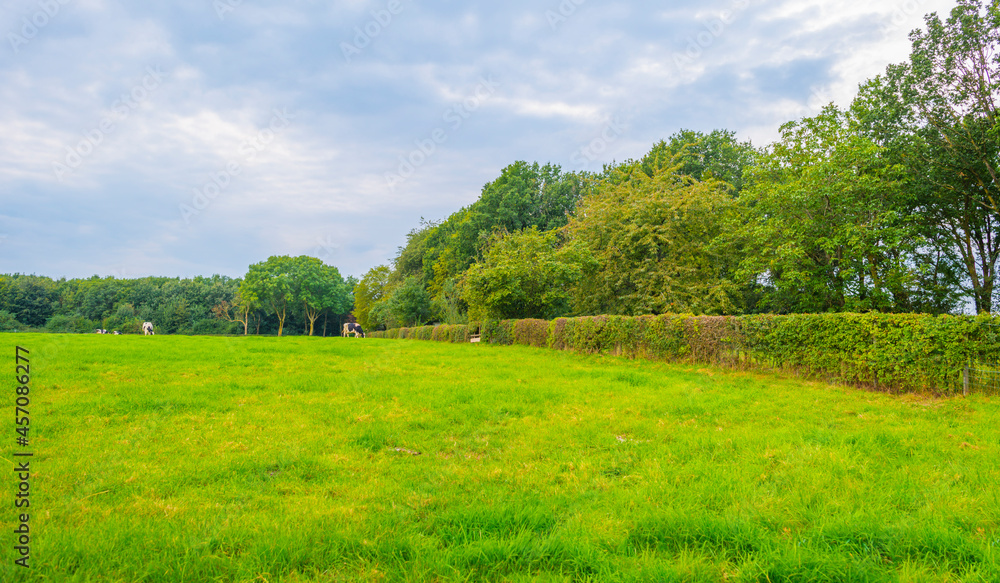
x: 896, y: 352
x: 531, y: 333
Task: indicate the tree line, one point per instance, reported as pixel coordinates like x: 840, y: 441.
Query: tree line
x: 889, y: 204
x: 273, y: 293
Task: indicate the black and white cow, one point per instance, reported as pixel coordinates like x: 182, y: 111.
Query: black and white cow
x: 147, y: 328
x: 353, y: 328
x: 99, y: 331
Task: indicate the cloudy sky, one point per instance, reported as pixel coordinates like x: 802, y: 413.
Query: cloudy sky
x: 195, y: 137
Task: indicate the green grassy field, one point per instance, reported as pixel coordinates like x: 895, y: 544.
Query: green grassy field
x: 296, y: 459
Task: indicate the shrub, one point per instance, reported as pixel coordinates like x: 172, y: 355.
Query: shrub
x: 498, y: 332
x: 458, y: 333
x: 886, y: 351
x: 8, y: 323
x: 440, y: 333
x: 558, y: 338
x: 531, y: 332
x: 71, y: 325
x: 202, y: 326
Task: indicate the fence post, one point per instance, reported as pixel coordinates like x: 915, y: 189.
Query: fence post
x: 965, y: 381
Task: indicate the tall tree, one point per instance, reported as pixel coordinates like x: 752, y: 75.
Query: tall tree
x: 701, y: 156
x: 652, y: 237
x: 270, y: 283
x: 372, y: 289
x: 943, y: 104
x: 410, y: 304
x: 526, y: 274
x: 318, y: 287
x: 239, y: 310
x: 824, y: 211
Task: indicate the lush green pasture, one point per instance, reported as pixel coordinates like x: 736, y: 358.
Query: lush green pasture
x: 295, y: 459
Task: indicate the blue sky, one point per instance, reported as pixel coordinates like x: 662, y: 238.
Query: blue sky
x: 196, y: 137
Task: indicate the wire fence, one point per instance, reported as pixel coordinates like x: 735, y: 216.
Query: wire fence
x: 982, y: 373
x: 978, y: 379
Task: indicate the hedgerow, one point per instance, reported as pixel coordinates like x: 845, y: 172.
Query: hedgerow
x: 894, y: 352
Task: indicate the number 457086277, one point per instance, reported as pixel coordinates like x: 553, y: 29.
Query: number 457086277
x: 23, y: 378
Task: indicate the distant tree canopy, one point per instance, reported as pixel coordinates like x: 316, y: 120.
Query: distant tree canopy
x: 891, y: 204
x: 203, y: 305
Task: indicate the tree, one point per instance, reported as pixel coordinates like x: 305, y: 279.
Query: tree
x: 940, y: 110
x: 701, y: 156
x: 410, y: 304
x: 8, y: 323
x: 950, y: 88
x: 525, y: 274
x: 825, y: 213
x: 270, y: 283
x: 652, y: 238
x: 523, y: 196
x: 372, y: 289
x: 32, y: 299
x: 318, y: 287
x: 239, y: 310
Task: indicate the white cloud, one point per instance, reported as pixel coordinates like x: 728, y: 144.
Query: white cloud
x: 319, y: 185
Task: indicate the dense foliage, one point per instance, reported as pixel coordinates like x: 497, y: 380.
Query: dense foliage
x: 896, y: 352
x: 304, y: 288
x: 889, y: 205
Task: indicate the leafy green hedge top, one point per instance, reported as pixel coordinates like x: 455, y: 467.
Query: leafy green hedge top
x: 898, y: 352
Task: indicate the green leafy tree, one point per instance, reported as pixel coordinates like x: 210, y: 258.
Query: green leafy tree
x: 175, y: 316
x: 938, y: 112
x: 652, y: 239
x: 448, y: 304
x: 523, y: 196
x: 824, y: 213
x: 372, y: 289
x: 410, y: 304
x: 525, y: 274
x: 701, y: 156
x: 270, y: 284
x: 124, y: 319
x: 318, y: 287
x: 949, y: 91
x: 244, y: 304
x: 8, y: 323
x: 32, y: 299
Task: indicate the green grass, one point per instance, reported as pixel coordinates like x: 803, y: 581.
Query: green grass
x: 263, y: 459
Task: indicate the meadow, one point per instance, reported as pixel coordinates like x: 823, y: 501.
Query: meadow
x: 171, y: 458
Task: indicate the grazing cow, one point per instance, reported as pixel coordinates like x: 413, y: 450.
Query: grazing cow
x: 147, y: 328
x: 353, y: 328
x: 99, y: 331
